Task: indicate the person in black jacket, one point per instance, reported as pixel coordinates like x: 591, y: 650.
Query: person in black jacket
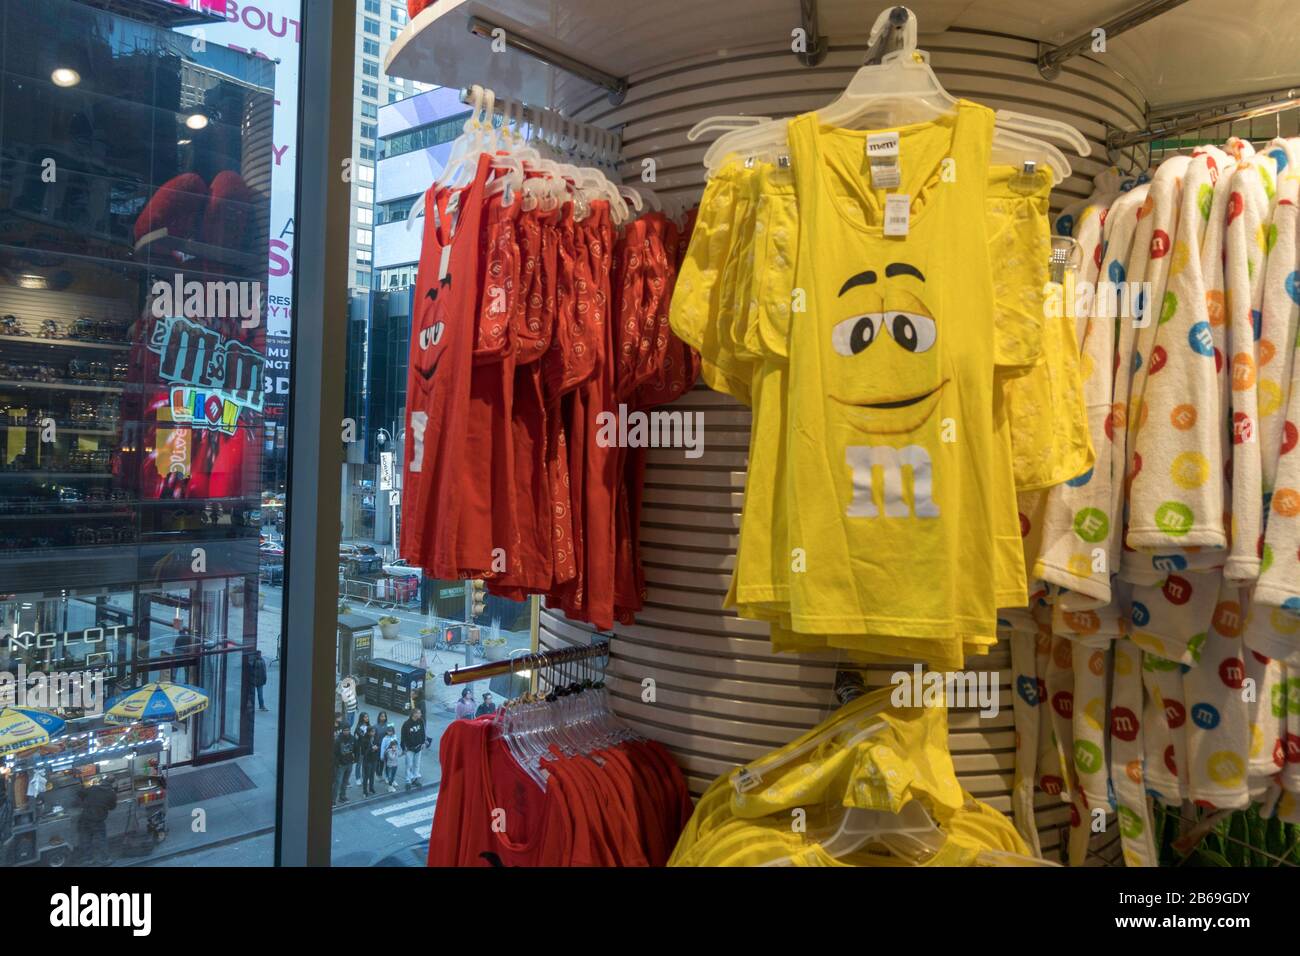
x: 367, y: 758
x: 414, y: 740
x: 97, y: 801
x: 345, y: 755
x: 257, y: 677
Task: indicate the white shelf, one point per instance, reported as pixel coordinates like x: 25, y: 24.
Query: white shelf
x: 618, y: 38
x: 634, y: 39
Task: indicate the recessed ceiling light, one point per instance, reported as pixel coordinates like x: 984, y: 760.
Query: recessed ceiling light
x: 183, y: 142
x: 65, y: 76
x: 196, y: 121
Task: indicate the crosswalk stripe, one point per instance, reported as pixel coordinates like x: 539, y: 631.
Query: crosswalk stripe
x: 423, y: 832
x: 384, y: 811
x: 415, y: 816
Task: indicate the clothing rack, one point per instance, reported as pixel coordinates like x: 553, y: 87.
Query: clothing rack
x: 1211, y: 116
x: 464, y: 675
x: 608, y: 143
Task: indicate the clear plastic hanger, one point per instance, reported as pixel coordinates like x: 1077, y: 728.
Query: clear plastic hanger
x: 903, y: 89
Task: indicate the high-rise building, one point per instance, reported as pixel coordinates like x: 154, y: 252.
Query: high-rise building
x: 379, y: 22
x: 414, y: 141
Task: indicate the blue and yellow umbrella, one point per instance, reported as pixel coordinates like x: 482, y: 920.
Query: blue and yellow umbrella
x: 161, y: 700
x: 22, y: 728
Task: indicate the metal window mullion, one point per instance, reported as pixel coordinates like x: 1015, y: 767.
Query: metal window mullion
x: 317, y: 368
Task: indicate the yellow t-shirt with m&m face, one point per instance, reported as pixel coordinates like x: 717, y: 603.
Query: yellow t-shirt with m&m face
x: 893, y: 470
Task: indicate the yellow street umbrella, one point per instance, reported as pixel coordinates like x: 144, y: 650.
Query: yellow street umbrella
x: 161, y: 700
x: 22, y: 728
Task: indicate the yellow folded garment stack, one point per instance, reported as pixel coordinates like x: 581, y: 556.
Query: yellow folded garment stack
x: 872, y: 786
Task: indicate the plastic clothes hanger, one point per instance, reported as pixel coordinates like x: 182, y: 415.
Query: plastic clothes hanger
x: 461, y: 151
x: 902, y: 89
x: 750, y: 776
x: 725, y: 123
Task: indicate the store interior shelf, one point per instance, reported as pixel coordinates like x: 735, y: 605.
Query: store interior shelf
x: 69, y: 516
x: 617, y: 39
x: 62, y: 386
x: 55, y: 475
x: 71, y: 343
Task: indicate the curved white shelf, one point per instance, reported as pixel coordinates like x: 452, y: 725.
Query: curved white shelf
x: 636, y: 39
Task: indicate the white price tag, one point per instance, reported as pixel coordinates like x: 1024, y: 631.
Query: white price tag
x: 898, y: 208
x: 745, y: 780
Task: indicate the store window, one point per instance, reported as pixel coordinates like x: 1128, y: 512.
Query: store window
x: 142, y: 487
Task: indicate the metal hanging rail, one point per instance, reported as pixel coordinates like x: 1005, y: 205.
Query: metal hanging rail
x: 616, y: 85
x: 817, y: 45
x: 1050, y: 57
x: 1119, y: 139
x: 464, y: 675
x: 611, y: 141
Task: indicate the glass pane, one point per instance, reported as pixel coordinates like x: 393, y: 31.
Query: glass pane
x: 146, y: 215
x: 399, y: 630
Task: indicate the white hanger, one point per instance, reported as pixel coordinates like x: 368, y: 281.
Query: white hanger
x: 900, y: 89
x: 458, y: 152
x: 725, y: 123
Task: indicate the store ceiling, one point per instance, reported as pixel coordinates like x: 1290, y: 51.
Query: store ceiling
x: 1201, y: 50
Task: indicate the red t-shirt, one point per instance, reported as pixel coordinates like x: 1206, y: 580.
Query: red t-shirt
x: 443, y: 330
x: 487, y: 546
x: 491, y: 813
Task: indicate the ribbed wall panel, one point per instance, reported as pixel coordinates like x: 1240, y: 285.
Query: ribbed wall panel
x: 721, y: 696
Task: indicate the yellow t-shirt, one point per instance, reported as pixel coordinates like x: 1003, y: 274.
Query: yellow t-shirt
x: 1045, y: 408
x: 868, y: 755
x: 893, y: 472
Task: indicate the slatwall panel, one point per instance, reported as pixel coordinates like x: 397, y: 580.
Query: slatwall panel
x: 722, y: 697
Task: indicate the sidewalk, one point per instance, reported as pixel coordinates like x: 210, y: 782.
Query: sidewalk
x: 238, y: 828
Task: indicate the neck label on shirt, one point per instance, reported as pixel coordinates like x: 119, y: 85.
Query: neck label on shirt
x: 898, y: 207
x: 885, y: 177
x: 882, y: 154
x: 882, y: 147
x: 746, y: 780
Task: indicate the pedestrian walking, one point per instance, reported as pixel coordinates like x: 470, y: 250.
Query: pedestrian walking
x: 367, y: 759
x: 347, y: 695
x: 465, y: 706
x: 257, y: 677
x: 363, y: 725
x: 345, y: 755
x: 414, y: 740
x: 97, y: 801
x: 392, y: 757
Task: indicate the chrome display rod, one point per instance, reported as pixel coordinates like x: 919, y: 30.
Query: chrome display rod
x: 616, y: 85
x: 1050, y: 57
x: 1121, y: 140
